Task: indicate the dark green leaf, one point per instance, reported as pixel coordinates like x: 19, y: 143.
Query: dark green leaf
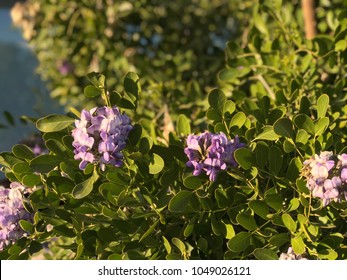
x: 179, y: 203
x: 279, y: 239
x: 305, y: 122
x: 275, y: 160
x: 45, y: 163
x: 284, y: 127
x: 239, y: 242
x: 192, y: 182
x: 23, y: 152
x: 247, y: 221
x: 217, y: 100
x: 244, y: 157
x: 260, y: 208
x: 265, y: 254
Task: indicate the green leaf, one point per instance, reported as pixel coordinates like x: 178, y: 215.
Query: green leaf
x: 179, y: 244
x: 302, y: 136
x: 304, y: 122
x: 26, y: 226
x: 23, y: 152
x: 288, y: 146
x: 260, y: 208
x: 217, y: 99
x: 145, y: 144
x: 97, y: 79
x: 149, y: 231
x: 247, y: 221
x: 289, y: 222
x: 64, y: 231
x: 265, y: 254
x: 227, y: 230
x: 294, y: 169
x: 229, y: 107
x: 179, y: 203
x: 156, y: 165
x: 274, y: 201
x: 56, y: 147
x: 238, y: 120
x: 275, y: 160
x: 244, y: 157
x: 183, y: 125
x: 192, y: 182
x: 284, y: 127
x: 190, y: 226
x: 322, y: 105
x: 321, y: 125
x: 167, y: 245
x: 341, y: 45
x: 91, y: 91
x: 298, y: 245
x: 279, y: 239
x: 45, y: 163
x: 31, y: 180
x: 53, y: 123
x: 81, y: 190
x: 239, y: 242
x: 132, y: 85
x: 268, y: 133
x: 213, y: 115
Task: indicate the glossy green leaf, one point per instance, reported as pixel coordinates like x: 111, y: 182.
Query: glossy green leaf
x: 284, y: 127
x: 183, y: 125
x: 91, y: 91
x: 239, y: 242
x: 260, y: 208
x: 274, y: 201
x: 321, y: 125
x: 322, y: 105
x: 81, y: 190
x: 302, y: 137
x: 192, y: 182
x: 247, y: 221
x: 265, y: 254
x: 217, y: 100
x: 23, y: 152
x: 244, y: 157
x: 156, y: 165
x: 279, y: 239
x: 52, y: 123
x: 238, y: 120
x: 45, y: 163
x: 298, y: 245
x: 179, y: 203
x: 289, y: 222
x: 304, y: 122
x: 268, y: 133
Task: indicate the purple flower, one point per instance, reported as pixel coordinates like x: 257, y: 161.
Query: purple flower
x: 100, y: 136
x: 327, y: 179
x: 211, y: 153
x: 11, y: 212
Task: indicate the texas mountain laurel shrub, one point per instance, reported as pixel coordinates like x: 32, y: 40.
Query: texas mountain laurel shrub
x: 259, y: 173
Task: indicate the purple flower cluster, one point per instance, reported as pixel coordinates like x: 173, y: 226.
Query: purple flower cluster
x: 327, y: 176
x: 100, y: 136
x: 290, y: 255
x: 211, y: 153
x: 11, y: 212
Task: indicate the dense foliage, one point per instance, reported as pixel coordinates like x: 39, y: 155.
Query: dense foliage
x: 253, y: 171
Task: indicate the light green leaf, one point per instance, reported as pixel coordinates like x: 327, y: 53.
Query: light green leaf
x: 322, y: 105
x: 298, y: 245
x: 156, y: 165
x: 81, y: 190
x: 183, y: 125
x: 321, y: 125
x: 179, y: 244
x: 304, y: 122
x: 52, y: 123
x: 289, y: 222
x: 268, y: 133
x: 238, y: 120
x: 91, y: 91
x: 302, y: 136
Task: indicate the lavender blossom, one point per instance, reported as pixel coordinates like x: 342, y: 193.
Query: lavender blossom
x: 290, y: 255
x: 326, y: 179
x: 100, y: 136
x: 11, y: 212
x: 211, y: 153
